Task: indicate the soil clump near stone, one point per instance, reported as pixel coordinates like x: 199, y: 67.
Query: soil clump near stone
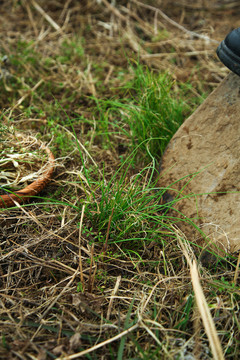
x: 202, y: 164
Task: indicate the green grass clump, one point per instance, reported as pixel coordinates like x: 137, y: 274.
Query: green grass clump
x: 158, y: 111
x: 152, y: 109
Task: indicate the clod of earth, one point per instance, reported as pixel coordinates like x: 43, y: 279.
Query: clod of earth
x: 202, y: 165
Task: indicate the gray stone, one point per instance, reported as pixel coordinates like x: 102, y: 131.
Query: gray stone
x: 206, y: 151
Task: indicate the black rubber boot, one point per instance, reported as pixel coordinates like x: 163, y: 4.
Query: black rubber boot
x: 229, y: 51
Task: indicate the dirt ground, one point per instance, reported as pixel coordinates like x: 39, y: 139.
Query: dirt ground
x: 52, y: 304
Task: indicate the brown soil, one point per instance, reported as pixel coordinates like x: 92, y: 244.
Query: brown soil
x: 207, y: 147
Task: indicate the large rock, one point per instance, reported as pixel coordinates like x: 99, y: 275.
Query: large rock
x: 208, y: 144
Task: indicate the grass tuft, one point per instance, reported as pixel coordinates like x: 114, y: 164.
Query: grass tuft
x: 150, y: 113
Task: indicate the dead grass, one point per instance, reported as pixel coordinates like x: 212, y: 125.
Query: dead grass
x: 23, y: 160
x: 69, y: 289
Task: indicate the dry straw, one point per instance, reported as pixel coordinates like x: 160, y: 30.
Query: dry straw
x: 201, y: 300
x: 42, y: 175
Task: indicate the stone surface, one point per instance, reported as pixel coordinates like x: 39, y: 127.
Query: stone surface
x: 208, y: 144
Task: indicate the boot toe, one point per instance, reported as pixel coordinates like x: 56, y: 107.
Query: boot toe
x: 228, y: 51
